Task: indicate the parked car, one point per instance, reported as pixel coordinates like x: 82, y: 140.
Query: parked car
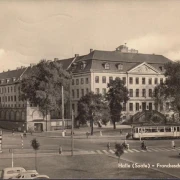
x: 25, y: 175
x: 11, y: 171
x: 39, y: 176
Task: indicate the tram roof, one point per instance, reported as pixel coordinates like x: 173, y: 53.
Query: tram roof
x: 167, y: 125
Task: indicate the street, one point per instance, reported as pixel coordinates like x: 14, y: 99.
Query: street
x: 93, y: 152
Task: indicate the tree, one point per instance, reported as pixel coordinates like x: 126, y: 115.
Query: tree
x: 42, y: 86
x: 119, y: 150
x: 35, y: 145
x: 116, y: 95
x: 169, y: 90
x: 92, y: 108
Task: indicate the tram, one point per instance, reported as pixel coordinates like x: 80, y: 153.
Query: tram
x: 155, y: 132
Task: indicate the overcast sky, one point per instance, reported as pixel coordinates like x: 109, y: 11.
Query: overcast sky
x: 31, y: 30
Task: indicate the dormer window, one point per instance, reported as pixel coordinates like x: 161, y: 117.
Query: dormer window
x: 2, y: 81
x: 14, y: 79
x: 106, y: 66
x: 120, y: 66
x: 82, y: 65
x: 73, y: 66
x: 7, y: 80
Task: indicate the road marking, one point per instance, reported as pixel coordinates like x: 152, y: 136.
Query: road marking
x: 111, y: 151
x: 130, y: 150
x: 154, y: 150
x: 92, y: 152
x: 105, y: 151
x: 99, y: 152
x: 143, y: 151
x: 135, y: 150
x: 125, y: 151
x: 149, y: 150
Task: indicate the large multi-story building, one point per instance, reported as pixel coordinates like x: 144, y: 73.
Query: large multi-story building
x: 91, y: 72
x: 140, y: 72
x: 15, y: 113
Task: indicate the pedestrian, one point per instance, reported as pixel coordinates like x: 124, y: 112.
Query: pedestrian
x: 120, y: 132
x: 60, y: 150
x: 13, y: 132
x: 173, y: 144
x: 87, y: 134
x: 21, y: 135
x: 24, y: 134
x: 108, y: 146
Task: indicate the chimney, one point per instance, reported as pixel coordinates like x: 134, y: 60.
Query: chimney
x: 91, y: 50
x: 76, y: 55
x: 55, y: 59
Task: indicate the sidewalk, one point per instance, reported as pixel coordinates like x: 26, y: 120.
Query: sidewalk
x: 32, y: 154
x: 81, y: 132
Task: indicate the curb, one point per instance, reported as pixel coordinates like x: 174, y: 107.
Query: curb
x: 150, y: 167
x: 83, y: 137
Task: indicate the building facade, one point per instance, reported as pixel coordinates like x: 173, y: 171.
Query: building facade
x: 140, y: 72
x: 15, y: 113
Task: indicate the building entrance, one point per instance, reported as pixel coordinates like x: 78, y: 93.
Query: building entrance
x: 143, y: 106
x: 38, y: 127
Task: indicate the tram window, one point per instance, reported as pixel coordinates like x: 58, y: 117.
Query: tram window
x: 174, y: 128
x: 178, y: 129
x: 147, y: 130
x: 168, y: 129
x: 154, y: 130
x: 161, y: 130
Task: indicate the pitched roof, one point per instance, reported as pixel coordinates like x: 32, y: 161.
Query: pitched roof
x: 128, y: 60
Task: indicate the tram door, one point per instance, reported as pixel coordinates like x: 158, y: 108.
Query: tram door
x: 174, y: 130
x: 143, y: 106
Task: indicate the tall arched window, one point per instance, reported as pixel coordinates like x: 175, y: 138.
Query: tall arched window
x: 12, y: 117
x: 17, y: 116
x: 7, y: 115
x: 2, y: 115
x: 23, y: 115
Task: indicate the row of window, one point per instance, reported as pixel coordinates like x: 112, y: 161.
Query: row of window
x: 97, y: 91
x: 2, y: 81
x: 9, y: 89
x: 12, y: 115
x: 137, y: 81
x: 131, y: 93
x: 82, y: 91
x: 107, y: 66
x: 138, y: 106
x: 82, y: 81
x: 143, y: 80
x: 9, y: 98
x: 12, y: 105
x: 104, y: 79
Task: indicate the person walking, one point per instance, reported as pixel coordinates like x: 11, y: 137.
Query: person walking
x: 108, y: 146
x: 173, y: 144
x: 87, y: 134
x: 13, y: 132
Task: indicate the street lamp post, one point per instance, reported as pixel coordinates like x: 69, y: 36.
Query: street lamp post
x: 72, y: 134
x: 63, y: 107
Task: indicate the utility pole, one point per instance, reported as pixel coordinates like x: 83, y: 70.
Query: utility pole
x: 72, y: 134
x: 12, y: 157
x: 63, y: 107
